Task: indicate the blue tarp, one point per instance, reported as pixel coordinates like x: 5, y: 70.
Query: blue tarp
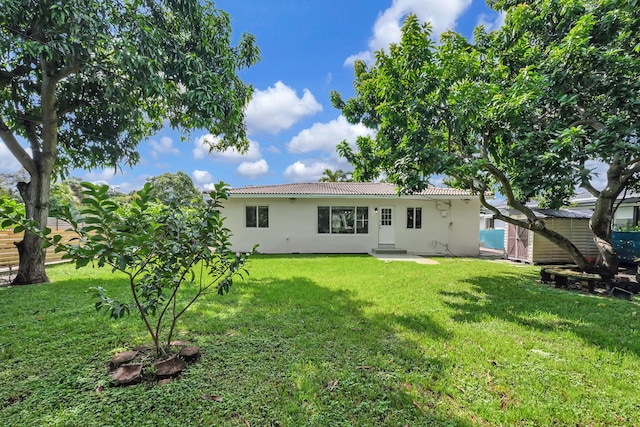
x: 626, y: 244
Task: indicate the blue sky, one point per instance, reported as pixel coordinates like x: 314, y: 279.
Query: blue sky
x: 307, y: 50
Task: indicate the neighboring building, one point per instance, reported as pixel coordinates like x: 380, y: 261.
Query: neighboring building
x: 626, y: 215
x: 350, y: 217
x: 488, y: 221
x: 491, y: 230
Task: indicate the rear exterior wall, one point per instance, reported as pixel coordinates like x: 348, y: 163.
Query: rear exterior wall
x: 448, y: 227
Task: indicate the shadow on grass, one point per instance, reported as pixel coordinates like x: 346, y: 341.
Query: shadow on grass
x: 421, y: 324
x: 276, y: 352
x: 315, y: 358
x: 54, y: 347
x: 599, y: 321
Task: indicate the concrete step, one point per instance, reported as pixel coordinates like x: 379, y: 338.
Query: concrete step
x: 389, y: 251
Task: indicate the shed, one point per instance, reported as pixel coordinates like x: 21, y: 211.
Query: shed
x: 525, y: 245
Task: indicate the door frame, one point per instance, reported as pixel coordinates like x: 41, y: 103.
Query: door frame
x: 386, y: 233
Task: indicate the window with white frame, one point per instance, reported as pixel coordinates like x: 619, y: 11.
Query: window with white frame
x: 256, y: 216
x: 343, y: 220
x: 414, y: 217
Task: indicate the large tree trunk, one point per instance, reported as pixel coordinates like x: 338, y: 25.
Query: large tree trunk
x: 535, y: 224
x: 32, y: 256
x: 35, y: 194
x: 600, y: 225
x: 565, y: 244
x: 602, y: 219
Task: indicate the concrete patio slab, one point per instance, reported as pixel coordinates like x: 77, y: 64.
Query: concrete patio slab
x: 404, y: 257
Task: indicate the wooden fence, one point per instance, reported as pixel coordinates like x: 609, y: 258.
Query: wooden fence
x: 9, y: 253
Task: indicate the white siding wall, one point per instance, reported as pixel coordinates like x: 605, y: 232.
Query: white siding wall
x: 623, y: 217
x: 293, y: 226
x: 457, y: 233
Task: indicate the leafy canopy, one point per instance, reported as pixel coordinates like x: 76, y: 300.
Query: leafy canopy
x: 528, y: 111
x: 525, y: 110
x: 99, y: 76
x: 178, y: 186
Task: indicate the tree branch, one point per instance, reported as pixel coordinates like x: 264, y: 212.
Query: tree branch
x: 497, y: 173
x: 590, y: 188
x: 66, y: 72
x: 633, y: 169
x: 7, y: 76
x: 499, y: 215
x: 48, y: 102
x: 16, y: 149
x: 595, y: 124
x: 587, y: 121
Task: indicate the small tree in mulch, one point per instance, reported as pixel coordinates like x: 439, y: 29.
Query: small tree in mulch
x: 171, y: 253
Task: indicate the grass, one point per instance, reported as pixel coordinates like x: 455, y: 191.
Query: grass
x: 334, y: 341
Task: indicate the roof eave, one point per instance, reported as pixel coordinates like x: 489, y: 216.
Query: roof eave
x: 354, y: 196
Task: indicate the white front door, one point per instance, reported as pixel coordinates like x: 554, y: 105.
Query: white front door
x: 386, y: 234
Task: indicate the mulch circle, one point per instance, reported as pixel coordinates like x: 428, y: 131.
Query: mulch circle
x: 128, y: 367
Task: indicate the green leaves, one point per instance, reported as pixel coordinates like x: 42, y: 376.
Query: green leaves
x: 84, y: 81
x: 175, y: 186
x: 114, y: 308
x: 162, y: 248
x: 519, y: 111
x: 11, y: 213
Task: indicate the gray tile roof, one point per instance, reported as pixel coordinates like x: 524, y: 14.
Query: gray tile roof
x: 551, y: 213
x: 587, y: 200
x: 339, y: 189
x: 562, y: 213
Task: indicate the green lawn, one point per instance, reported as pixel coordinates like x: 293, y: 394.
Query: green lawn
x: 333, y: 341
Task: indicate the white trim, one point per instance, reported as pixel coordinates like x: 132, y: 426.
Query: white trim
x: 387, y: 233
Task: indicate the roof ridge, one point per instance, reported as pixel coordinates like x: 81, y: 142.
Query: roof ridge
x: 344, y: 188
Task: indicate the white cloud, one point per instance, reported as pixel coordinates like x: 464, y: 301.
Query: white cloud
x: 253, y: 169
x: 388, y: 27
x: 201, y: 178
x: 326, y: 136
x: 125, y: 187
x: 230, y: 155
x: 165, y: 146
x: 273, y: 149
x: 8, y: 163
x: 492, y: 22
x: 598, y: 174
x: 437, y: 180
x: 101, y: 177
x: 278, y: 108
x: 303, y: 172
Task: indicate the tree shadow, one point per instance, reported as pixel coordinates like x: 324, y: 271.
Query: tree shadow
x: 278, y: 352
x: 597, y: 320
x: 421, y: 324
x: 332, y: 363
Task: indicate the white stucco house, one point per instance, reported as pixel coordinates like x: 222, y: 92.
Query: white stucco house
x: 350, y: 217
